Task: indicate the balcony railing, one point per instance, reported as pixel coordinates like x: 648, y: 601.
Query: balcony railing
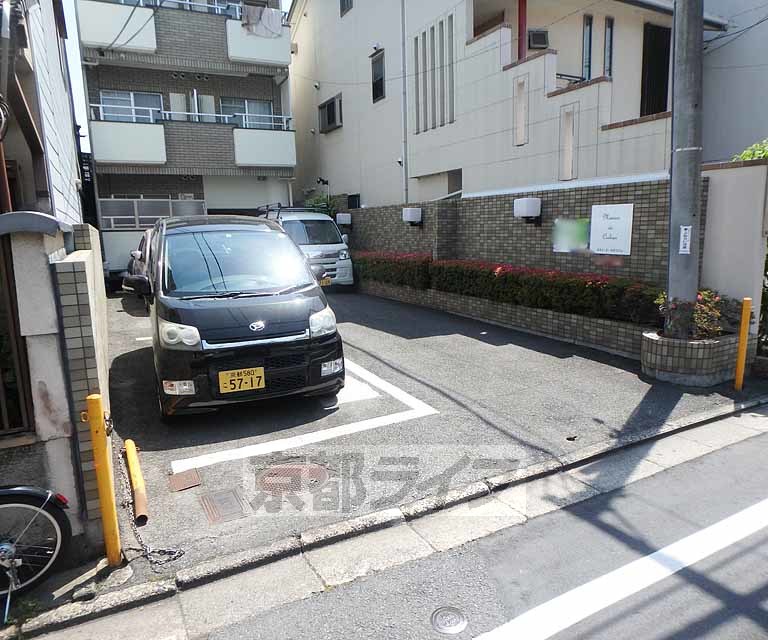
x: 154, y: 115
x: 118, y: 214
x: 233, y: 10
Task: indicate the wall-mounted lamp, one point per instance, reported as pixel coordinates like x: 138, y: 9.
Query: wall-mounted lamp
x: 344, y: 219
x: 529, y: 209
x: 412, y: 216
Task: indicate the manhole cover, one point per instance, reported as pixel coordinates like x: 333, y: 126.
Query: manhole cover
x: 292, y: 478
x: 185, y: 480
x: 223, y: 506
x: 449, y: 620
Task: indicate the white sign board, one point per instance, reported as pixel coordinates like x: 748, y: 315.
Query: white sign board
x: 685, y: 240
x: 611, y: 230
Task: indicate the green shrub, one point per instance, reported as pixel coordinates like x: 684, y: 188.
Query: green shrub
x: 713, y: 314
x: 406, y: 269
x: 757, y: 151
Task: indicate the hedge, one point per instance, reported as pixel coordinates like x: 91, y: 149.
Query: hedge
x: 404, y: 269
x: 585, y: 294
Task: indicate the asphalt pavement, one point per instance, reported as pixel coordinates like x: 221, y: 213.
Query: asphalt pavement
x: 433, y: 402
x: 675, y: 553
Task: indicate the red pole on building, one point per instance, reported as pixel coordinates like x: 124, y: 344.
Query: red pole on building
x: 522, y: 29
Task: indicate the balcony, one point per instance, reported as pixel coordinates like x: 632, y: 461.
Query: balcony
x: 105, y: 24
x: 243, y: 46
x: 264, y: 148
x: 128, y: 142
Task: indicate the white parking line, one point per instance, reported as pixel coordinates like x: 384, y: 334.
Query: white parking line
x: 552, y: 617
x: 418, y: 409
x: 355, y: 391
x: 149, y: 339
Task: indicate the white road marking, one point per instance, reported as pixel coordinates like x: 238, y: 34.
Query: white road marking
x: 355, y: 391
x: 552, y: 617
x: 144, y: 339
x: 417, y: 409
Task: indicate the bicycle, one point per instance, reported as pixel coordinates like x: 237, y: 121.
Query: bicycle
x: 34, y: 536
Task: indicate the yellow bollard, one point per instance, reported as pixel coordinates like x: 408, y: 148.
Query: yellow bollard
x: 741, y: 359
x: 137, y: 483
x: 102, y: 460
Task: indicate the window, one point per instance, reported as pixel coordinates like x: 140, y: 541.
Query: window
x: 451, y: 99
x: 131, y: 106
x: 586, y: 57
x: 441, y: 49
x: 305, y: 232
x: 353, y: 201
x: 344, y: 6
x: 377, y: 76
x: 521, y: 110
x: 433, y: 75
x: 416, y: 76
x: 331, y: 116
x: 248, y: 114
x: 608, y: 62
x: 425, y: 79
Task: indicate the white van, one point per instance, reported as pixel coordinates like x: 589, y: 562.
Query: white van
x: 321, y: 241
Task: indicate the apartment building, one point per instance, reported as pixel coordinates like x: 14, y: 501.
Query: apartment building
x: 735, y: 72
x: 413, y: 101
x: 190, y: 110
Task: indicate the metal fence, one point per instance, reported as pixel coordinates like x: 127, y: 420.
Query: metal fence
x: 119, y: 214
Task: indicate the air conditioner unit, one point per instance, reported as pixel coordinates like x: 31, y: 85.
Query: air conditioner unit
x: 344, y: 219
x: 528, y: 208
x: 538, y: 39
x: 412, y: 215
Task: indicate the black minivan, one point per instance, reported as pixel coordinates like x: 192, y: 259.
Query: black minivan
x: 237, y: 315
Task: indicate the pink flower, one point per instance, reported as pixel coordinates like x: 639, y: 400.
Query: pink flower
x: 700, y: 298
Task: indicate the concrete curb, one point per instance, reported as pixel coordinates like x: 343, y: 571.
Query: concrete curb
x: 109, y: 603
x: 212, y: 570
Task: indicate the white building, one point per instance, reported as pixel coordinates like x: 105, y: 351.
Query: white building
x: 585, y: 93
x: 736, y: 79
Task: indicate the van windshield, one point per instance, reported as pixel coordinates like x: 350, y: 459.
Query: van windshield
x: 312, y: 231
x: 220, y: 262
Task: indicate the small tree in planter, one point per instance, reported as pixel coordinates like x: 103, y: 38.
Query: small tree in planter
x: 708, y: 356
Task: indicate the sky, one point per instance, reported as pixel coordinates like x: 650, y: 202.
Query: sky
x: 76, y: 70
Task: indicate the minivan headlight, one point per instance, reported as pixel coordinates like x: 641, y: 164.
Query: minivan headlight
x: 344, y: 254
x: 179, y: 336
x: 322, y: 323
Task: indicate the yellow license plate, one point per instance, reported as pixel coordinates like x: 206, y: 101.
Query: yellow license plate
x: 325, y: 282
x: 241, y: 380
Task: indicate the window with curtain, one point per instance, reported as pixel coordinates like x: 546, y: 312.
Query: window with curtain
x: 248, y: 113
x: 377, y: 76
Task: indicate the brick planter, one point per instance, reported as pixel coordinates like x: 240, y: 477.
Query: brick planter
x: 692, y: 363
x: 619, y: 338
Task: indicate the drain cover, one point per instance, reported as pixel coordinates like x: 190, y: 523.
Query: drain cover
x: 292, y: 478
x: 223, y: 506
x: 449, y: 620
x: 185, y: 480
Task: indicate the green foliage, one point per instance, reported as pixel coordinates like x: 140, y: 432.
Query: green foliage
x: 758, y: 151
x: 713, y: 314
x: 324, y: 203
x: 405, y: 269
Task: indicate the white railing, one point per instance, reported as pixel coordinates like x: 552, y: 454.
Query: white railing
x: 218, y: 7
x: 119, y: 214
x: 151, y: 115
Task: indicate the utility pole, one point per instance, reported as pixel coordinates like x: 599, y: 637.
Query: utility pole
x: 685, y: 207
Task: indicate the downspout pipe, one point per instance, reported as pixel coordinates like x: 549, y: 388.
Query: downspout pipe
x: 404, y: 38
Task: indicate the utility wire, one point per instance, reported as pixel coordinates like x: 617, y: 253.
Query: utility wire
x: 125, y: 24
x: 140, y: 29
x: 734, y: 36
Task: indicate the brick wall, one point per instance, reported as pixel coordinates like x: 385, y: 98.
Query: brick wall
x: 198, y: 145
x: 485, y: 229
x: 79, y: 285
x: 110, y: 185
x: 159, y: 81
x: 619, y: 338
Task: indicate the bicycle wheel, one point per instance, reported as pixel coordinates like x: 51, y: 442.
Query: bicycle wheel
x: 33, y: 537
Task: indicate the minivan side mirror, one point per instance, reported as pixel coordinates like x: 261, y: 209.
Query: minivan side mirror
x: 137, y: 284
x: 318, y: 271
x: 345, y: 239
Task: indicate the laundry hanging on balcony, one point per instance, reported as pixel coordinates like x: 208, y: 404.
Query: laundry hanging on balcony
x: 263, y: 21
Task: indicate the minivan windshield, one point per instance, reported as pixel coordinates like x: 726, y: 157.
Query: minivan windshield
x: 312, y: 231
x: 209, y: 263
